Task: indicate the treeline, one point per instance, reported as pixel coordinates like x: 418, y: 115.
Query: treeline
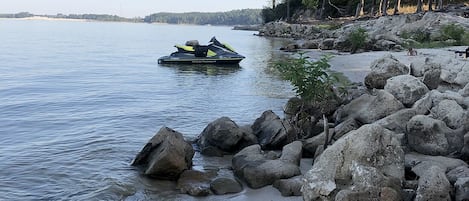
x: 235, y: 17
x: 97, y: 17
x: 321, y: 9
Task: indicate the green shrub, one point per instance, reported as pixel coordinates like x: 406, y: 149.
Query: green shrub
x: 357, y: 39
x: 418, y: 35
x: 311, y: 79
x: 453, y: 31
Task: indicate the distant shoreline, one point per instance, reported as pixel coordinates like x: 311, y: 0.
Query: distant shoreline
x: 47, y: 19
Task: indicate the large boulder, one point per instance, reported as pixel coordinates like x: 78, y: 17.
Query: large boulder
x: 166, y: 155
x: 433, y: 186
x: 369, y: 108
x: 459, y: 172
x: 370, y: 156
x: 222, y: 136
x: 397, y: 122
x: 432, y: 137
x: 451, y: 113
x: 420, y: 163
x: 271, y: 131
x: 257, y: 170
x: 382, y: 69
x: 461, y: 187
x: 406, y: 88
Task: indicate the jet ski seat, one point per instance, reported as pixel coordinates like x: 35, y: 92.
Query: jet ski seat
x: 201, y: 50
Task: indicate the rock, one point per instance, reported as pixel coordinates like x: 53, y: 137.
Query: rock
x: 221, y: 186
x: 271, y: 131
x: 462, y: 79
x: 220, y: 136
x: 397, y: 122
x: 429, y: 136
x: 368, y: 109
x: 420, y: 163
x: 292, y: 107
x: 327, y: 44
x: 406, y: 88
x: 371, y: 193
x: 431, y: 78
x: 292, y: 47
x: 310, y: 44
x: 383, y: 69
x: 370, y: 148
x: 166, y: 155
x: 459, y: 172
x: 195, y: 183
x: 451, y: 113
x: 344, y: 128
x: 292, y: 153
x: 465, y: 91
x: 465, y: 149
x: 462, y: 189
x: 257, y: 171
x: 433, y: 185
x: 310, y: 145
x: 289, y: 187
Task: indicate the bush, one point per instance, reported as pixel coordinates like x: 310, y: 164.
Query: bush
x: 357, y: 39
x: 310, y: 79
x: 453, y: 31
x: 418, y: 35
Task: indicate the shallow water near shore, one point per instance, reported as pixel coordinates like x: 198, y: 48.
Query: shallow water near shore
x: 78, y: 100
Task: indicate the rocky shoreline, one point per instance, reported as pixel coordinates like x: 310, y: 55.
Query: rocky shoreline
x: 402, y: 135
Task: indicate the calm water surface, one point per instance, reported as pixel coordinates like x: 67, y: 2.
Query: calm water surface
x: 78, y: 100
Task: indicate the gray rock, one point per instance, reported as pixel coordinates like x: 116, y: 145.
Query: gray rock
x: 431, y: 78
x: 271, y: 131
x: 369, y: 108
x: 451, y: 113
x: 311, y: 145
x: 406, y: 88
x: 370, y: 193
x: 257, y: 171
x: 459, y: 172
x: 462, y: 189
x: 433, y: 185
x: 420, y: 163
x: 465, y: 149
x: 344, y: 128
x: 221, y: 186
x: 166, y: 155
x: 195, y: 183
x: 292, y: 153
x: 310, y: 44
x: 463, y: 76
x: 371, y: 147
x: 327, y: 44
x: 382, y: 69
x: 289, y: 187
x: 397, y: 122
x: 427, y: 136
x: 465, y: 91
x: 223, y: 134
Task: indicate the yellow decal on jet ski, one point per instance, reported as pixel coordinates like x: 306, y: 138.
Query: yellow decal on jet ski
x: 186, y: 48
x: 211, y: 53
x: 229, y: 47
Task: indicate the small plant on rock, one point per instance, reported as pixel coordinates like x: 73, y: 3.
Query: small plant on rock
x: 314, y: 84
x: 357, y: 39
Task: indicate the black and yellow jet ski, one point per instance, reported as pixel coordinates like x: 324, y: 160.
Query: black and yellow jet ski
x: 193, y: 53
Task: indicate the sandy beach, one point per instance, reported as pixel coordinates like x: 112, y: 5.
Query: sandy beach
x: 356, y: 66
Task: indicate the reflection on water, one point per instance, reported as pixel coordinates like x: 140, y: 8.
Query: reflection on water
x: 205, y: 69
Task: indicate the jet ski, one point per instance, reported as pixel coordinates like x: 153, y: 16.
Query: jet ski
x: 193, y: 53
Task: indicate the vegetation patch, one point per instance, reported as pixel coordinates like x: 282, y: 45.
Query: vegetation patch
x: 357, y: 39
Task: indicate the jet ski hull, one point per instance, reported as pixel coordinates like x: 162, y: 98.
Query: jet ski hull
x: 195, y: 60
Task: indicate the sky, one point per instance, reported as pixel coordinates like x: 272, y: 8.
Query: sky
x: 124, y: 8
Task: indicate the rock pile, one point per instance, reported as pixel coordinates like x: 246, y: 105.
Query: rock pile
x: 405, y: 138
x: 384, y: 33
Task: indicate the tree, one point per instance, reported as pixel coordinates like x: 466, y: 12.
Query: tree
x: 419, y: 6
x: 430, y: 5
x: 397, y: 5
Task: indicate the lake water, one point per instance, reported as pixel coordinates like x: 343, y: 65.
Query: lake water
x: 78, y: 100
